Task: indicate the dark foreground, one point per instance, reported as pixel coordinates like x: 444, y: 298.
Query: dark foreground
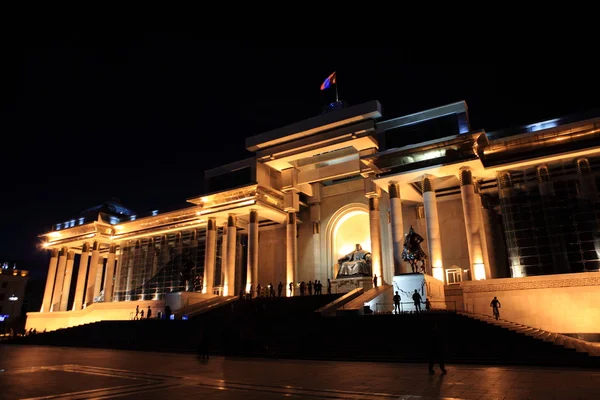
x: 32, y: 372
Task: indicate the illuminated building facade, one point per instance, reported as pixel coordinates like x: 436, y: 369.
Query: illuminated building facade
x: 13, y: 282
x: 504, y: 204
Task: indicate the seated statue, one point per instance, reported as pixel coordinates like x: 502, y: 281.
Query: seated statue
x: 356, y: 263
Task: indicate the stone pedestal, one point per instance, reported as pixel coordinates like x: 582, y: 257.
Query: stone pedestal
x: 345, y: 285
x: 426, y: 285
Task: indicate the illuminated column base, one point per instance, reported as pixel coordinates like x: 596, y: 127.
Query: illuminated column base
x: 397, y: 228
x: 434, y: 239
x: 471, y: 205
x: 375, y: 230
x: 231, y: 251
x: 47, y: 301
x: 60, y: 277
x: 252, y: 270
x: 291, y: 254
x: 210, y: 257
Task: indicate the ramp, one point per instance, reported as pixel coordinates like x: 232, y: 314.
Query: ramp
x: 372, y: 296
x: 328, y: 310
x: 205, y: 306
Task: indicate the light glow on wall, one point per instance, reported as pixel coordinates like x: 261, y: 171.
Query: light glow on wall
x: 438, y: 273
x: 351, y: 229
x: 479, y: 269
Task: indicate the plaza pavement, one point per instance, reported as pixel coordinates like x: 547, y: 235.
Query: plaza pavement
x: 31, y: 372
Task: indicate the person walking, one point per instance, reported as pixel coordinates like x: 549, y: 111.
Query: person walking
x: 495, y: 304
x: 397, y: 303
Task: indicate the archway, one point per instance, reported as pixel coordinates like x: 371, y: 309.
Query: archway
x: 347, y: 227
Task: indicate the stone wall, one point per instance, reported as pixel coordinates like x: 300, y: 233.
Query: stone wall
x: 566, y: 303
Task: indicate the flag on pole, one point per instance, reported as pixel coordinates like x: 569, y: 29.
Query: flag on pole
x: 328, y: 82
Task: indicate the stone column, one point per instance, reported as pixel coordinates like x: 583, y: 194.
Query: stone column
x: 316, y: 227
x: 224, y: 271
x: 110, y: 271
x: 471, y: 205
x: 66, y: 289
x: 81, y: 275
x: 47, y: 301
x: 99, y: 274
x: 291, y: 247
x: 231, y: 253
x: 397, y: 228
x: 434, y: 239
x: 587, y: 181
x: 60, y: 277
x: 375, y: 230
x: 91, y: 286
x: 210, y: 253
x: 252, y: 271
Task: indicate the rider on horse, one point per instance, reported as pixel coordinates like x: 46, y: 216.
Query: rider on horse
x: 412, y: 252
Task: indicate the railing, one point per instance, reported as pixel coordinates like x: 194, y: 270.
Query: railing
x: 409, y: 307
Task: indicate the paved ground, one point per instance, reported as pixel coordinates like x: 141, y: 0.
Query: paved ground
x: 29, y: 372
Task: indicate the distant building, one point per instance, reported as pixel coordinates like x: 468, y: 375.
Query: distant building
x: 521, y: 203
x: 12, y: 293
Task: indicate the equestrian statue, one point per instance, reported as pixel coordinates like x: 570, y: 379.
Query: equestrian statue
x: 412, y: 253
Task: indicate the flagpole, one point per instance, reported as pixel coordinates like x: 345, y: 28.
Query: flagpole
x: 336, y: 90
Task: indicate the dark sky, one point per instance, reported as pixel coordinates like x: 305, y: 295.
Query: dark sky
x: 140, y: 117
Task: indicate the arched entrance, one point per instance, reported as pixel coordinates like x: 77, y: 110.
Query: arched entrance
x: 347, y: 227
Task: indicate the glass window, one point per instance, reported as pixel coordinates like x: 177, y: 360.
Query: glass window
x: 453, y: 276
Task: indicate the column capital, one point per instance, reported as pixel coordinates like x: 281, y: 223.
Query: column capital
x: 70, y: 255
x: 465, y: 176
x: 583, y: 166
x: 253, y: 219
x: 427, y: 183
x: 96, y: 245
x: 374, y: 203
x: 231, y: 220
x: 543, y: 174
x: 212, y: 224
x: 394, y: 189
x: 54, y: 253
x: 63, y: 251
x: 85, y: 248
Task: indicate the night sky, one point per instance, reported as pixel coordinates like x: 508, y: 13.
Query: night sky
x: 88, y: 118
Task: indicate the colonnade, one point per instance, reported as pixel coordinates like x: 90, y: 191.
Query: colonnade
x: 60, y: 274
x: 471, y: 203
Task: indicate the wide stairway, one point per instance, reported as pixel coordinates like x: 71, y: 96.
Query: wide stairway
x: 557, y: 339
x: 290, y: 328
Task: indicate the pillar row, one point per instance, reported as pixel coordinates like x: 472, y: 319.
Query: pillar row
x: 48, y: 291
x: 434, y: 239
x: 397, y: 227
x: 210, y: 254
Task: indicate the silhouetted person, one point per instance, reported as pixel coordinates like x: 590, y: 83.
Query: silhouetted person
x: 375, y: 280
x: 203, y: 344
x: 417, y: 300
x: 427, y: 304
x: 397, y: 303
x: 137, y: 312
x: 291, y: 286
x: 310, y: 287
x: 142, y: 314
x: 149, y: 313
x: 168, y: 312
x: 258, y: 289
x: 302, y: 288
x: 436, y: 349
x: 328, y: 286
x: 279, y: 289
x: 495, y: 304
x: 271, y: 290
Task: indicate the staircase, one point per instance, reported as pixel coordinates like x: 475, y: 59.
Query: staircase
x: 557, y: 339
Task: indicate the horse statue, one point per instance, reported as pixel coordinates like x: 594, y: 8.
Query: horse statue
x: 412, y: 253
